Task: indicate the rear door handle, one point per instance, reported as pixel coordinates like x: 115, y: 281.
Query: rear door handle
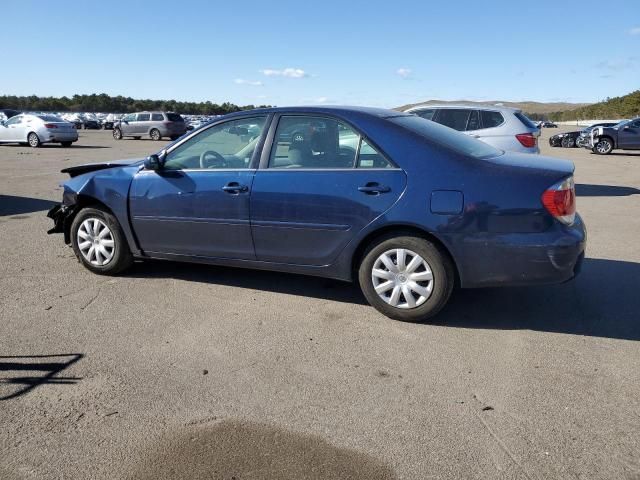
x: 235, y: 187
x: 373, y: 188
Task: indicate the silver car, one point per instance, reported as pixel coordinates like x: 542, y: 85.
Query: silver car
x: 37, y: 129
x: 502, y: 127
x: 154, y: 125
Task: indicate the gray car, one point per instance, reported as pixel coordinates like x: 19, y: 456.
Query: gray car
x: 501, y: 127
x: 154, y: 125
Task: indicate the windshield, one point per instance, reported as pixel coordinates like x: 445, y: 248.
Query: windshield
x: 447, y: 137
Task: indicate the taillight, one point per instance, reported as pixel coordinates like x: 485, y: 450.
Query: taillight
x: 527, y: 139
x: 50, y: 126
x: 560, y: 201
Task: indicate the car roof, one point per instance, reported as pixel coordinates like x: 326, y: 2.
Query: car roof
x: 476, y: 106
x: 342, y: 111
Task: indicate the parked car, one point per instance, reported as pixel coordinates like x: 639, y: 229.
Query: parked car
x: 91, y: 122
x: 37, y: 129
x: 417, y: 208
x: 549, y: 125
x: 110, y: 120
x: 624, y: 135
x: 504, y: 128
x: 585, y: 134
x: 7, y: 113
x: 575, y: 138
x: 155, y: 125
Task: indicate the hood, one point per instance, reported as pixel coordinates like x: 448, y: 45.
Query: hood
x: 92, y: 167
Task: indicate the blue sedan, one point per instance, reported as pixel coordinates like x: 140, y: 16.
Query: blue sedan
x: 408, y: 207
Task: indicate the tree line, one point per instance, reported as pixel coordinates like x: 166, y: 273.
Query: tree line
x: 626, y: 106
x: 106, y: 103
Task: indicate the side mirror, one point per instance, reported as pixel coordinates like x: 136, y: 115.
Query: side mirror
x: 155, y: 161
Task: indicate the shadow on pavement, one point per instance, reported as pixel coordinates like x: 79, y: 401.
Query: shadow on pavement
x: 17, y: 384
x: 242, y: 450
x: 588, y: 190
x: 11, y: 205
x: 277, y: 282
x: 603, y: 301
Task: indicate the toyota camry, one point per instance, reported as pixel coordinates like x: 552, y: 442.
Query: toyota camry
x: 405, y: 206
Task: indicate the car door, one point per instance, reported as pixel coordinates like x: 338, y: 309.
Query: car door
x: 198, y: 204
x: 629, y: 135
x: 319, y: 184
x: 13, y: 130
x: 127, y: 124
x: 141, y: 126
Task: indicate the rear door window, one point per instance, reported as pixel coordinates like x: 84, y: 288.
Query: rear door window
x: 455, y: 118
x: 157, y: 117
x: 144, y: 117
x: 491, y: 118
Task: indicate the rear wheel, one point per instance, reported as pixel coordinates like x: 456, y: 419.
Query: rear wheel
x: 603, y: 146
x: 117, y: 134
x: 406, y: 278
x: 99, y: 243
x: 66, y: 144
x: 33, y: 140
x: 155, y: 134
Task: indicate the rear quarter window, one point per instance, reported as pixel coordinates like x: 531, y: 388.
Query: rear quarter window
x: 491, y: 118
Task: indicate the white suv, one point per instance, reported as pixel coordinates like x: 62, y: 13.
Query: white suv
x: 502, y: 127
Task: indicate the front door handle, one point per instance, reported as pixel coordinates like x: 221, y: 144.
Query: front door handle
x: 374, y: 188
x: 235, y: 187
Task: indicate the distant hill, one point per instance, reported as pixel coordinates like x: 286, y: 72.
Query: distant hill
x: 539, y: 108
x: 627, y: 106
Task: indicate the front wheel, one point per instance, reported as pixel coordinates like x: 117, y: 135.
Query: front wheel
x: 98, y: 242
x: 406, y: 278
x: 604, y: 146
x: 33, y: 140
x: 568, y: 142
x: 117, y: 134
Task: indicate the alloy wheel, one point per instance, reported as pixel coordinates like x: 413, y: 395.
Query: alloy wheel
x: 95, y: 242
x: 603, y: 146
x: 402, y: 278
x: 33, y: 140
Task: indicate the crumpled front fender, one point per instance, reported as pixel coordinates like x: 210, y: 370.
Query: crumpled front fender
x: 62, y: 215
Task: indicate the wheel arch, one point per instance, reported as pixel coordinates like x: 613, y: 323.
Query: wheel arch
x: 398, y: 230
x: 82, y: 201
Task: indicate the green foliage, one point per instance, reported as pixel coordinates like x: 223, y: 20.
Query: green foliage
x: 106, y: 103
x: 627, y: 106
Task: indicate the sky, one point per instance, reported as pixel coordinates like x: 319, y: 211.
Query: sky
x: 377, y: 53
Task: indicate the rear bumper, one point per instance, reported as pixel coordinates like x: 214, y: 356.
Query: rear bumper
x: 60, y: 137
x: 524, y: 258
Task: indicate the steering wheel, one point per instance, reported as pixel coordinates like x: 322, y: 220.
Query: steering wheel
x: 218, y: 160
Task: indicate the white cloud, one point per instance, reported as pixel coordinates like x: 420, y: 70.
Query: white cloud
x: 618, y: 64
x: 242, y: 81
x: 634, y: 31
x: 404, y: 72
x: 287, y: 72
x: 322, y: 100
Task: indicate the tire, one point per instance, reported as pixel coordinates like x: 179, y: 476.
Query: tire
x: 155, y: 135
x: 117, y: 134
x: 604, y: 146
x: 33, y: 140
x: 437, y: 289
x: 568, y: 142
x: 66, y: 144
x: 120, y: 258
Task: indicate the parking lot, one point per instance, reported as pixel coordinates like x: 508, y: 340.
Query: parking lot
x: 183, y: 371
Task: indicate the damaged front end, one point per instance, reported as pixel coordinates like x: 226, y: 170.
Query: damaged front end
x: 62, y: 216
